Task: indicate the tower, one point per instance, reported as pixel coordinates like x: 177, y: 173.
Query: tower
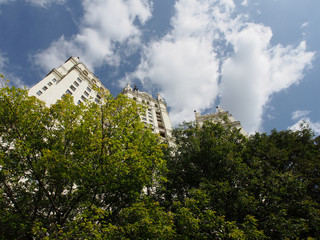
x: 73, y: 78
x: 156, y: 115
x: 221, y: 116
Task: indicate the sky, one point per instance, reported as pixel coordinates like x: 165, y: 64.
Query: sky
x: 257, y: 59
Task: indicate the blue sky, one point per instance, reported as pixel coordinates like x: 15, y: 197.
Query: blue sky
x: 258, y: 59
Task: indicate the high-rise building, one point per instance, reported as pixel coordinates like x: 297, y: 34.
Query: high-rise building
x: 156, y: 115
x: 73, y: 78
x: 221, y: 116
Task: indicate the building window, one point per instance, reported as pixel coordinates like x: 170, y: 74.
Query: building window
x: 68, y: 92
x: 45, y: 88
x: 72, y: 88
x: 79, y: 80
x: 79, y: 102
x: 39, y: 93
x: 86, y: 93
x: 156, y: 105
x: 54, y: 80
x: 75, y: 83
x: 98, y: 96
x: 89, y: 89
x: 83, y: 98
x: 49, y: 84
x: 97, y: 100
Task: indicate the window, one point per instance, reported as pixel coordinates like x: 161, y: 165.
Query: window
x: 86, y: 93
x: 83, y: 98
x: 97, y: 100
x: 89, y: 89
x: 49, y: 84
x: 98, y: 96
x: 54, y: 80
x: 68, y: 92
x: 156, y: 105
x: 72, y: 88
x: 79, y: 102
x: 39, y: 93
x: 45, y: 88
x: 79, y: 80
x: 75, y: 83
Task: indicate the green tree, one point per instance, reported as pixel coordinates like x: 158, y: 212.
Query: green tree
x: 272, y: 178
x: 57, y: 162
x: 284, y: 179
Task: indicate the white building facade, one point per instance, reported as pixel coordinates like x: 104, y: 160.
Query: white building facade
x: 156, y: 116
x: 72, y: 78
x: 221, y: 116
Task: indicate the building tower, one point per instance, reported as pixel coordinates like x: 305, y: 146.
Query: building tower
x: 156, y: 114
x: 221, y: 116
x: 73, y: 78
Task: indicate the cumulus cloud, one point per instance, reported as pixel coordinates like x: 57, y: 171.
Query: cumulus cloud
x: 184, y: 64
x: 213, y: 52
x: 256, y: 70
x: 104, y: 25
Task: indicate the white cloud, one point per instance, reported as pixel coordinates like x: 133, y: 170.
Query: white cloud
x: 303, y: 121
x: 244, y: 3
x: 45, y: 3
x: 184, y: 70
x: 256, y: 70
x: 299, y: 114
x: 305, y: 24
x: 186, y: 67
x: 3, y: 60
x: 306, y: 122
x: 14, y: 80
x: 104, y: 24
x: 6, y: 1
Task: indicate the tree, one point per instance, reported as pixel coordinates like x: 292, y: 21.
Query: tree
x: 272, y: 178
x: 284, y: 180
x: 57, y: 162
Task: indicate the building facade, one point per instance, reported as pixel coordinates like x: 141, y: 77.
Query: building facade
x: 221, y: 116
x: 156, y: 115
x: 73, y: 78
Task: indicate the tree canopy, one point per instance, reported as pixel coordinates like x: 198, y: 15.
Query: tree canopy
x: 92, y: 171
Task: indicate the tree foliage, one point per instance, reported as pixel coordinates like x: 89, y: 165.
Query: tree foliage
x: 272, y: 180
x: 94, y: 171
x: 57, y: 162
